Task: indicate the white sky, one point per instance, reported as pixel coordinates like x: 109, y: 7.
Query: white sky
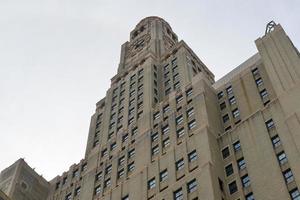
x: 57, y: 58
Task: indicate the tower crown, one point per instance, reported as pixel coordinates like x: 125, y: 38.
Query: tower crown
x: 152, y: 35
x: 140, y: 27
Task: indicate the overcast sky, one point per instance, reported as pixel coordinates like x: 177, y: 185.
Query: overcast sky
x: 57, y: 58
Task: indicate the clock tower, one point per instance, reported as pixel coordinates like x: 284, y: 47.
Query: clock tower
x: 151, y: 36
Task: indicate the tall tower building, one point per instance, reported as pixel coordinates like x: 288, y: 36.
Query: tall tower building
x: 166, y: 130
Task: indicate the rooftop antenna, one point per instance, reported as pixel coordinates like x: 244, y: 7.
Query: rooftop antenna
x: 270, y: 27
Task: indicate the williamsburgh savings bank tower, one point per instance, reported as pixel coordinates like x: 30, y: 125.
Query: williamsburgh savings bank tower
x: 166, y: 130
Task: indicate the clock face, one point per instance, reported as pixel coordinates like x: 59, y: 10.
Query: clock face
x: 138, y: 44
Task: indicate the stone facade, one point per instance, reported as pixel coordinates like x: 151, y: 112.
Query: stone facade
x: 3, y: 196
x: 167, y: 130
x: 21, y: 182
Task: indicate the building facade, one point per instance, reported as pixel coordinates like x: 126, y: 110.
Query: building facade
x: 166, y: 130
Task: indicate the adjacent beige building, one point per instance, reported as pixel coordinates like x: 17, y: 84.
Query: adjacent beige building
x: 166, y: 130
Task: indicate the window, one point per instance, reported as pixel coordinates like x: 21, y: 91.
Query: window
x: 179, y: 120
x: 179, y: 164
x: 140, y: 105
x: 282, y: 158
x: 121, y: 110
x: 113, y: 146
x: 255, y: 71
x: 68, y: 197
x: 174, y: 61
x: 179, y: 99
x: 104, y: 152
x: 177, y: 85
x: 225, y: 152
x: 263, y: 94
x: 155, y: 150
x: 167, y: 91
x: 134, y: 131
x: 166, y: 67
x: 131, y: 153
x: 163, y: 175
x: 270, y: 124
x: 192, y: 124
x: 140, y: 79
x: 130, y: 103
x: 115, y: 90
x: 121, y: 160
x: 155, y: 91
x: 154, y: 137
x: 77, y: 191
x: 175, y: 77
x: 225, y: 118
x: 140, y: 96
x: 131, y: 111
x: 121, y: 94
x: 110, y: 135
x: 178, y: 194
x: 57, y: 185
x: 221, y: 184
x: 232, y: 100
x: 167, y: 82
x: 112, y: 125
x: 107, y: 183
x: 122, y: 84
x: 192, y: 156
x: 75, y: 173
x: 156, y: 116
x: 259, y: 82
x: 190, y: 112
x: 275, y: 141
x: 232, y: 187
x: 220, y: 94
x: 121, y: 173
x: 112, y: 116
x: 229, y: 170
x: 125, y: 137
x: 192, y: 186
x: 130, y: 121
x: 132, y: 77
x: 98, y: 176
x: 246, y: 181
x: 180, y: 132
x: 165, y: 129
x: 175, y: 68
x: 166, y: 142
x: 130, y: 167
x: 65, y: 179
x: 126, y: 197
x: 295, y: 194
x: 139, y: 114
x: 108, y: 169
x: 120, y: 119
x: 241, y: 163
x: 249, y: 196
x: 223, y: 106
x: 189, y: 92
x: 97, y: 190
x: 236, y: 113
x: 113, y: 107
x: 237, y: 146
x: 229, y: 90
x: 166, y: 108
x: 151, y: 184
x: 228, y: 128
x: 288, y: 175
